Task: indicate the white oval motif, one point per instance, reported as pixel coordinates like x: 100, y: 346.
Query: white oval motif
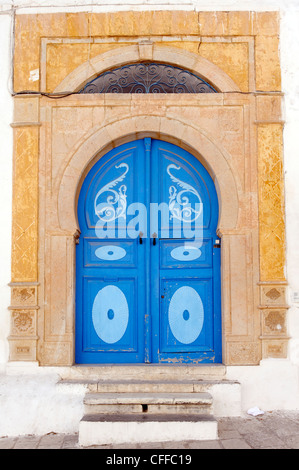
x: 185, y: 253
x: 110, y: 253
x: 186, y: 315
x: 110, y: 314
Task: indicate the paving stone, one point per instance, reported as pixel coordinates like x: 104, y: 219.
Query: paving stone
x: 293, y: 442
x: 247, y: 426
x: 229, y: 434
x: 235, y: 444
x: 258, y: 441
x: 125, y: 446
x: 70, y: 441
x: 204, y: 445
x: 151, y: 445
x: 27, y: 442
x: 227, y: 424
x: 7, y: 442
x: 175, y: 445
x: 290, y: 428
x: 51, y: 441
x: 277, y: 430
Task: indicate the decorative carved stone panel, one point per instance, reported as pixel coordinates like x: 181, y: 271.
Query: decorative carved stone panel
x: 274, y: 322
x: 23, y: 296
x: 243, y: 353
x: 273, y: 310
x: 273, y: 294
x: 23, y: 322
x: 275, y: 349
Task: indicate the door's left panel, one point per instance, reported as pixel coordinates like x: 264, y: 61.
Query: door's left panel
x: 110, y: 261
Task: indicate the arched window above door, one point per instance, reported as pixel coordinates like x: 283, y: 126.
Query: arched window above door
x: 148, y: 77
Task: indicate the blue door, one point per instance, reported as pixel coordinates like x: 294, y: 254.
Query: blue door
x: 148, y: 259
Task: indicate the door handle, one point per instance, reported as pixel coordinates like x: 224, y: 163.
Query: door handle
x: 154, y: 239
x: 140, y: 238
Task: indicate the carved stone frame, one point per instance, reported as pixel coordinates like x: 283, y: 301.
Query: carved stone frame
x: 43, y: 304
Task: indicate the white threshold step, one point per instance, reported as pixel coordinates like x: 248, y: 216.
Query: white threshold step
x: 144, y: 372
x: 141, y: 428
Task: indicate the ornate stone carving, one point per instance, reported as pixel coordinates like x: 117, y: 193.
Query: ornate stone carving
x: 243, y: 353
x: 274, y: 322
x: 275, y: 349
x: 23, y: 333
x: 273, y: 294
x: 23, y: 296
x: 23, y: 322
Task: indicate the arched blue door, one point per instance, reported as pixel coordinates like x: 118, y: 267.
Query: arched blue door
x: 148, y: 259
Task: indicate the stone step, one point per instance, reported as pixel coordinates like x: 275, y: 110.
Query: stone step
x: 226, y: 393
x: 143, y: 386
x: 141, y: 428
x: 146, y: 386
x: 187, y: 403
x: 146, y: 372
x: 154, y: 386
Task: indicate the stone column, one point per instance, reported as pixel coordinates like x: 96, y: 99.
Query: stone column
x: 24, y: 302
x: 273, y: 284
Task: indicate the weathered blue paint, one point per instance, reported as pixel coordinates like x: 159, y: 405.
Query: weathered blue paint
x: 139, y: 298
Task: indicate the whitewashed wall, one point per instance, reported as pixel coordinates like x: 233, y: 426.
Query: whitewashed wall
x: 275, y: 384
x: 5, y: 181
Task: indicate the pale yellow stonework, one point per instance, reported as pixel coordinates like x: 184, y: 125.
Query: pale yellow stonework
x: 230, y: 57
x: 25, y: 205
x: 236, y: 134
x: 64, y: 58
x: 271, y: 205
x: 235, y: 27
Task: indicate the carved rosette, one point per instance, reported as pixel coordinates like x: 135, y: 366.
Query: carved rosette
x: 273, y: 310
x: 23, y: 322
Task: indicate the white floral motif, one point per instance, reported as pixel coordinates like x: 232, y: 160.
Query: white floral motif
x: 184, y: 212
x: 108, y: 211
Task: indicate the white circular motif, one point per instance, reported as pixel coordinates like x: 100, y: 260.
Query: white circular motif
x: 110, y: 314
x: 110, y: 253
x: 186, y: 253
x: 186, y: 315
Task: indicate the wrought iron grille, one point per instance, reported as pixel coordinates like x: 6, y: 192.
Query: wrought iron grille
x: 148, y: 78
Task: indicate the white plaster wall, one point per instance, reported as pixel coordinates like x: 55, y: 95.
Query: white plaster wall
x: 290, y: 82
x: 5, y: 182
x: 31, y: 402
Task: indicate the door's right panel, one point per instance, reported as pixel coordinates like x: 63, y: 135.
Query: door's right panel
x: 186, y: 314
